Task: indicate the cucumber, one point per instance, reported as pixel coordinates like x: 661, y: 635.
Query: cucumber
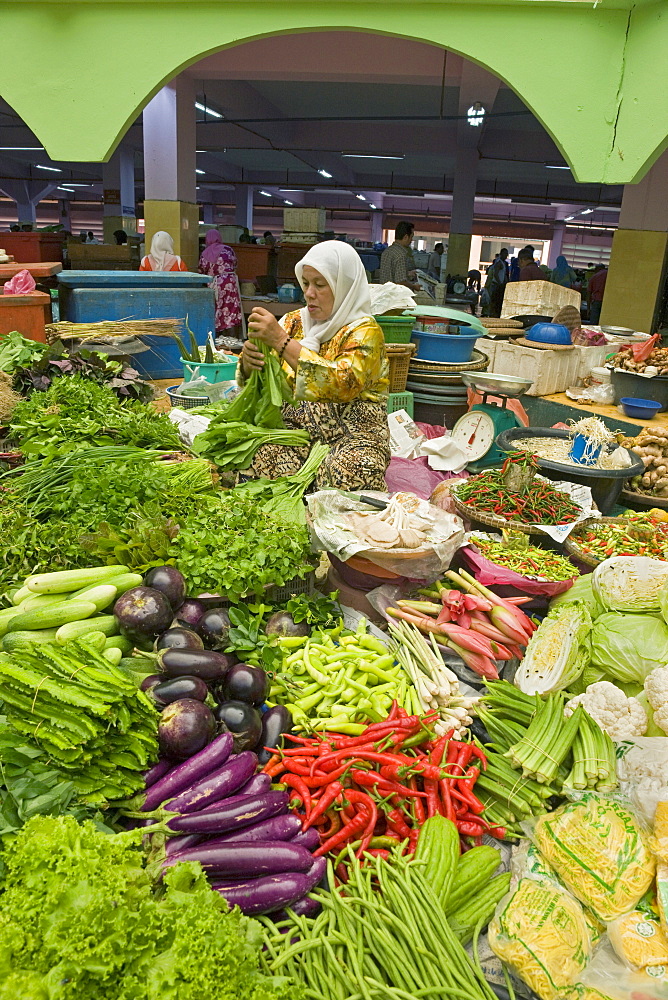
x: 474, y: 870
x: 438, y: 846
x: 42, y: 601
x: 72, y: 579
x: 113, y: 655
x: 94, y: 639
x: 119, y: 642
x: 122, y: 583
x: 26, y: 639
x: 19, y: 596
x: 52, y: 617
x: 79, y: 629
x: 101, y: 596
x: 6, y: 616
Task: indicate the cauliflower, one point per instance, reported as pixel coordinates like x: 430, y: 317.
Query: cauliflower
x: 622, y: 718
x: 656, y: 689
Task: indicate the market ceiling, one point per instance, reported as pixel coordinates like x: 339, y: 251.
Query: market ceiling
x: 283, y: 109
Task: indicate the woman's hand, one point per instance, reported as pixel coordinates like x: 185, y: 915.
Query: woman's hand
x: 263, y: 325
x: 252, y: 358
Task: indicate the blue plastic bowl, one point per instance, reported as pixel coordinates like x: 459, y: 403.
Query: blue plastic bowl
x: 549, y: 333
x: 642, y: 409
x: 445, y: 347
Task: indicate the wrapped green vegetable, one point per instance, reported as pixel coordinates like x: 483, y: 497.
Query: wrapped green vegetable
x: 630, y: 583
x: 557, y: 652
x: 629, y: 647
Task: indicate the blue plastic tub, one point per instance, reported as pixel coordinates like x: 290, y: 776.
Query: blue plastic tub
x: 578, y: 448
x: 91, y: 296
x: 446, y: 347
x: 642, y: 409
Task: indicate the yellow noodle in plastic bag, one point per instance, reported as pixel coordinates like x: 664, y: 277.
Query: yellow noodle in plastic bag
x: 599, y: 851
x: 541, y: 932
x: 639, y: 940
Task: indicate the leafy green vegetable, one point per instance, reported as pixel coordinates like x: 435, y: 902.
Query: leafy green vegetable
x: 229, y: 546
x: 558, y: 651
x: 56, y: 361
x: 283, y: 497
x: 79, y: 920
x: 17, y: 351
x: 580, y: 591
x: 629, y: 647
x: 630, y: 583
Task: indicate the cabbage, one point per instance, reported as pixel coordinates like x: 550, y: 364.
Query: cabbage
x: 558, y: 651
x: 629, y: 647
x: 580, y: 591
x: 630, y: 583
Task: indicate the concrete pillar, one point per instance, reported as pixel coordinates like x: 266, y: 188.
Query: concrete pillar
x: 463, y: 209
x: 27, y: 195
x: 243, y: 206
x: 636, y: 276
x: 474, y: 256
x: 557, y: 242
x: 377, y: 227
x: 118, y: 183
x: 208, y: 214
x: 170, y: 201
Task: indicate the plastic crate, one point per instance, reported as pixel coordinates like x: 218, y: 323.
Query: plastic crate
x: 292, y: 588
x: 399, y: 358
x: 400, y: 401
x: 396, y: 329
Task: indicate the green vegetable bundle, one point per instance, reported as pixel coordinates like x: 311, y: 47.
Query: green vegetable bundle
x: 72, y: 703
x: 283, y: 497
x: 79, y: 920
x: 252, y: 419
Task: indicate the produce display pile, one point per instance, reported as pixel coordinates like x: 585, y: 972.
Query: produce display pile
x: 210, y: 792
x: 657, y: 359
x: 651, y: 445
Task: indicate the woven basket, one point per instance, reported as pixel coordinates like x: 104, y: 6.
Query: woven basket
x: 493, y: 520
x: 399, y: 358
x: 573, y: 548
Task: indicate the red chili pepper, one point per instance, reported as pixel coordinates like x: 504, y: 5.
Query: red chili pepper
x: 412, y: 841
x: 372, y: 779
x: 327, y: 799
x: 396, y: 822
x: 379, y: 852
x: 418, y: 805
x: 466, y: 796
x: 347, y: 832
x: 470, y: 829
x: 334, y: 819
x: 397, y: 771
x: 294, y: 781
x: 444, y: 786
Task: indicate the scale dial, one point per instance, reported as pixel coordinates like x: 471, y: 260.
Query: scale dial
x: 474, y: 433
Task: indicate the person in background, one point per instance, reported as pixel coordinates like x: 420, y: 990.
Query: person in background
x: 514, y: 269
x: 91, y: 237
x: 495, y: 285
x: 529, y: 269
x: 15, y: 228
x: 121, y: 237
x: 473, y: 287
x: 220, y: 262
x: 82, y: 236
x: 161, y: 256
x: 245, y: 236
x: 435, y: 260
x: 531, y: 251
x: 396, y: 263
x: 595, y: 293
x: 269, y: 239
x: 563, y: 273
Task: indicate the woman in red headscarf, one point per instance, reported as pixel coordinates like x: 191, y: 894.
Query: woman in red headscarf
x: 219, y: 262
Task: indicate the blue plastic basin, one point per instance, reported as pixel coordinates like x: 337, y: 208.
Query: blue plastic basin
x: 446, y: 347
x: 549, y: 333
x: 642, y: 409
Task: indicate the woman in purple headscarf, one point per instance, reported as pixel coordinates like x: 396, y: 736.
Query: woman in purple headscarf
x: 219, y: 262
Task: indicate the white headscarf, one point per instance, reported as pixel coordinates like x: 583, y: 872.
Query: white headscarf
x: 344, y: 272
x: 162, y: 251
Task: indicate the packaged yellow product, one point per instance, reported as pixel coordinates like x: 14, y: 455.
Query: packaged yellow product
x: 639, y: 940
x: 662, y: 893
x: 580, y: 992
x: 599, y: 851
x: 541, y: 932
x: 660, y: 839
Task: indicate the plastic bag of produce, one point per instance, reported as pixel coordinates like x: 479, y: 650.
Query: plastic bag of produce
x: 608, y: 974
x: 541, y: 933
x: 629, y: 647
x: 490, y: 574
x: 599, y: 851
x: 580, y: 992
x: 639, y: 939
x: 630, y: 583
x: 642, y: 769
x: 580, y: 591
x: 558, y: 651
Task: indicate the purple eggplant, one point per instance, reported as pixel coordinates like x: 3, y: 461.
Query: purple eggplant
x: 242, y: 720
x: 247, y: 860
x: 275, y: 723
x: 185, y: 728
x: 258, y: 784
x: 220, y: 784
x: 152, y: 681
x: 282, y: 623
x: 179, y: 687
x: 231, y: 814
x: 273, y: 892
x: 190, y: 612
x: 305, y: 907
x: 204, y: 663
x: 156, y: 772
x: 282, y: 827
x: 179, y: 638
x: 310, y: 839
x: 184, y: 775
x: 142, y: 613
x: 214, y: 627
x: 169, y: 582
x: 245, y: 683
x: 175, y: 845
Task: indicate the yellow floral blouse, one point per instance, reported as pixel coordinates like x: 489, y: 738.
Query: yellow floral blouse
x: 352, y: 365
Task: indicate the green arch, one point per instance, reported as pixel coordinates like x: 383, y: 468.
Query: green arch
x: 584, y: 73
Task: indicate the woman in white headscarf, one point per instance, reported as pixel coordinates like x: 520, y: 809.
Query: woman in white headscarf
x: 333, y: 352
x: 161, y: 256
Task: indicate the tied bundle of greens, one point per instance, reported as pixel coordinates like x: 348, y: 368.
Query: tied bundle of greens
x: 283, y: 497
x: 87, y: 715
x: 79, y: 920
x: 252, y: 419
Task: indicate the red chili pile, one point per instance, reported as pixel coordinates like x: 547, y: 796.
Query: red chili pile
x: 375, y: 791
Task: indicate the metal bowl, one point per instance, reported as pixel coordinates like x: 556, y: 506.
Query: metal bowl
x: 618, y: 331
x: 507, y: 385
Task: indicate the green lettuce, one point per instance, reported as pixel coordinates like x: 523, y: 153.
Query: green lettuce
x: 629, y: 647
x: 630, y: 583
x: 580, y: 591
x: 558, y: 651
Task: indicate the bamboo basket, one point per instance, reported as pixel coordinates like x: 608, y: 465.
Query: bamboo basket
x: 589, y: 559
x: 494, y: 520
x: 399, y: 358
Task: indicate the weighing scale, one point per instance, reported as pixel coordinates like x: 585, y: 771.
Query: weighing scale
x: 476, y: 432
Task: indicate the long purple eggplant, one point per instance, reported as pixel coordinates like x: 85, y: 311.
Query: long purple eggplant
x: 282, y: 827
x: 310, y: 839
x: 271, y: 893
x: 175, y: 845
x: 204, y: 663
x: 156, y: 772
x: 259, y: 783
x: 224, y: 781
x: 231, y: 814
x: 306, y: 907
x: 262, y: 857
x: 194, y: 769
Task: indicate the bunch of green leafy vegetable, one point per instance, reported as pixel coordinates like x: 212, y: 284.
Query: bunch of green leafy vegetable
x: 75, y: 412
x: 248, y: 638
x: 229, y: 546
x: 17, y: 351
x: 283, y: 497
x: 80, y: 920
x: 58, y: 361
